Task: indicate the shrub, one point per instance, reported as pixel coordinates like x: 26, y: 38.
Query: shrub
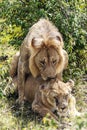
x: 69, y: 16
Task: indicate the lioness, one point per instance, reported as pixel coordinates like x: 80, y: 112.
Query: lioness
x: 49, y: 96
x: 41, y: 54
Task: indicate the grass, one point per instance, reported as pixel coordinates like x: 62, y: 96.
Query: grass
x: 13, y: 118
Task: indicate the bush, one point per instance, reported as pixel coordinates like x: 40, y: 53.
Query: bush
x: 69, y: 16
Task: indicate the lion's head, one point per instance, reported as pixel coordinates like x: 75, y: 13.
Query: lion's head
x: 45, y: 45
x: 48, y: 61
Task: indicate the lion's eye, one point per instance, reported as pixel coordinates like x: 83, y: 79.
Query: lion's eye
x: 54, y: 62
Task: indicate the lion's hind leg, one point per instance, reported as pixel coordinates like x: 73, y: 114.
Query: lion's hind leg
x: 11, y: 86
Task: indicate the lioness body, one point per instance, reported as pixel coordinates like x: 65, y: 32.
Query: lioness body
x: 32, y: 87
x: 41, y: 102
x: 43, y: 96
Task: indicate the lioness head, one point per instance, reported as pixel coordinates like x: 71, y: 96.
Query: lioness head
x: 57, y: 93
x: 48, y: 96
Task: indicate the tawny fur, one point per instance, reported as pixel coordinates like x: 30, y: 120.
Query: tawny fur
x: 42, y: 35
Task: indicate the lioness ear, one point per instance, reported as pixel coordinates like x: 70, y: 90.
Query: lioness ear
x: 71, y: 82
x: 70, y: 85
x: 37, y: 42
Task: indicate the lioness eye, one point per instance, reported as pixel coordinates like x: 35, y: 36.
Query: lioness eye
x: 56, y: 100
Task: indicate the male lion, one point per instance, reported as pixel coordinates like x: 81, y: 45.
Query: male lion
x: 41, y: 54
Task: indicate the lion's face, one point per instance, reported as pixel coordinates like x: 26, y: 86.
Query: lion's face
x: 47, y: 61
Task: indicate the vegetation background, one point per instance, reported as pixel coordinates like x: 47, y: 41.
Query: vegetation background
x: 17, y: 16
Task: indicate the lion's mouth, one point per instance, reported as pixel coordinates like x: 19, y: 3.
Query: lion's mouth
x: 50, y: 78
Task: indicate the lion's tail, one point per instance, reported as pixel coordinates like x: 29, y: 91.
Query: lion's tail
x: 14, y: 65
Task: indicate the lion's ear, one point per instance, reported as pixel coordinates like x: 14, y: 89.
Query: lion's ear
x: 60, y: 39
x: 37, y: 43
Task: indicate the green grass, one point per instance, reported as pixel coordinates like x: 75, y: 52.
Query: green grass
x: 13, y: 118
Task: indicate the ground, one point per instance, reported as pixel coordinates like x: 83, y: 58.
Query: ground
x: 13, y: 118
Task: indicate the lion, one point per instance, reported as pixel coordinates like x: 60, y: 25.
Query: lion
x: 41, y: 54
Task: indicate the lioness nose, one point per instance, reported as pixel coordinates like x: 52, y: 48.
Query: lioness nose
x: 64, y: 106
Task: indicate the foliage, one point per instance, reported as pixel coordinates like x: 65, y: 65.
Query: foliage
x: 69, y: 16
x: 80, y: 122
